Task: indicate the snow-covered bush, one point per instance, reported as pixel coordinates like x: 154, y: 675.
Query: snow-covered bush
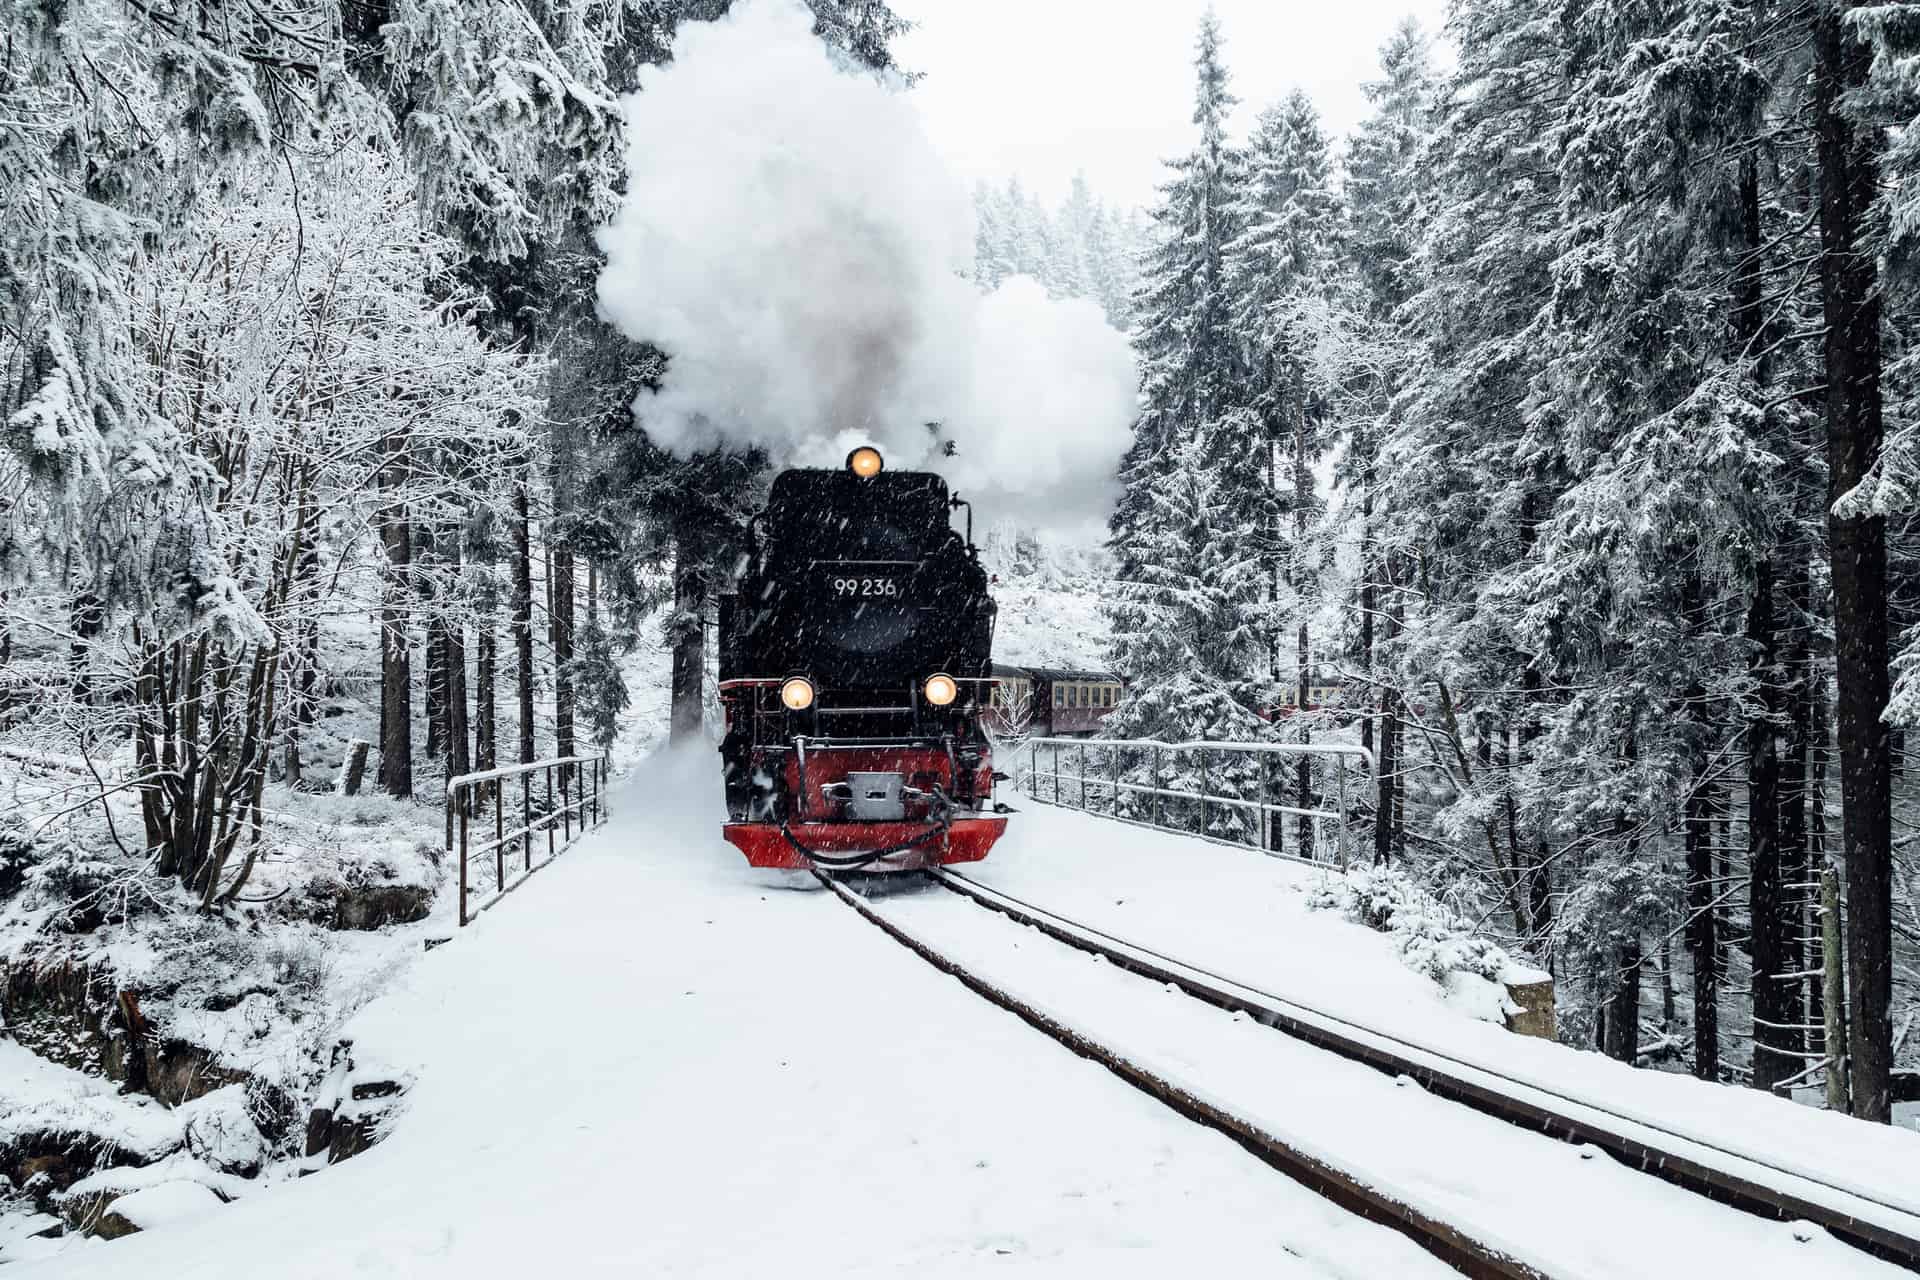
x: 1429, y: 936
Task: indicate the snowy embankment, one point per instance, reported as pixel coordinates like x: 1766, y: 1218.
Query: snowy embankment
x: 650, y: 1061
x: 1246, y: 917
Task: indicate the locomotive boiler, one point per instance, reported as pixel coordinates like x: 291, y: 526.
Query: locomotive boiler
x: 855, y: 666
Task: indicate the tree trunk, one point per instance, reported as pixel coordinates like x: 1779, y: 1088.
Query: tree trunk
x: 523, y: 613
x: 1776, y: 1042
x: 485, y: 712
x: 453, y: 732
x: 427, y: 553
x: 302, y: 680
x: 1302, y: 498
x: 687, y: 634
x: 563, y: 608
x: 1623, y: 1006
x: 1797, y: 866
x: 1386, y: 824
x: 396, y: 657
x: 1835, y: 1001
x: 1848, y: 173
x: 1703, y: 924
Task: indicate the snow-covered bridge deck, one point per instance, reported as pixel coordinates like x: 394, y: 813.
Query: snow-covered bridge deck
x: 648, y: 1062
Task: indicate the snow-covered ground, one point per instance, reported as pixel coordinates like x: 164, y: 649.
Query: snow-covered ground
x: 1553, y: 1206
x: 648, y: 1061
x: 1245, y: 916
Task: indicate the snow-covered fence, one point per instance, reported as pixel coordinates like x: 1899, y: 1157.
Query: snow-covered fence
x: 1236, y: 792
x: 582, y: 782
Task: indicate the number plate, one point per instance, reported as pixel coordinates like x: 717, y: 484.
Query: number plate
x: 849, y: 585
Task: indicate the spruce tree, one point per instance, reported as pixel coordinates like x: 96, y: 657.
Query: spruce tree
x: 1191, y: 369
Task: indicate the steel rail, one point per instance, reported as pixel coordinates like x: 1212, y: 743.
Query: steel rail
x: 1464, y: 1253
x: 1692, y: 1163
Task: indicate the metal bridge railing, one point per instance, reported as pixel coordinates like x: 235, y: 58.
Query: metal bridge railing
x: 1240, y: 793
x: 583, y: 805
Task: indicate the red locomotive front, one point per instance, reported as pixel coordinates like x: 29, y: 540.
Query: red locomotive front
x: 855, y: 657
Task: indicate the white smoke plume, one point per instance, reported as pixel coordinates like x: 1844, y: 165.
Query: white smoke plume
x: 793, y: 240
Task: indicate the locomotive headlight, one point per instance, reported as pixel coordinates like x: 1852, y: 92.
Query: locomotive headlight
x: 797, y: 693
x: 940, y: 690
x: 865, y: 462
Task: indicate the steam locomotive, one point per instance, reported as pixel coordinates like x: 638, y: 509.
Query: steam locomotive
x: 855, y: 666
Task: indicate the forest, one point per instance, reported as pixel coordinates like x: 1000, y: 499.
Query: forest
x: 1563, y: 418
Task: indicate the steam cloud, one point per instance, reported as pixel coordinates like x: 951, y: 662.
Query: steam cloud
x: 793, y: 240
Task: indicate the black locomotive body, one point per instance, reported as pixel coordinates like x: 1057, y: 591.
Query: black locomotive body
x: 855, y: 665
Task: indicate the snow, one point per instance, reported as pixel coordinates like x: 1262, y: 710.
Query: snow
x: 1245, y: 916
x: 165, y: 1204
x: 1534, y: 1198
x: 127, y: 1180
x: 651, y: 1060
x: 38, y: 1096
x: 646, y: 1061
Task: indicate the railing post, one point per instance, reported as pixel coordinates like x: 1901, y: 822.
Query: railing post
x: 499, y: 835
x: 1116, y: 781
x: 1156, y: 784
x: 566, y: 805
x: 1205, y: 787
x: 526, y: 819
x: 1340, y: 787
x: 1083, y: 777
x: 463, y: 866
x: 563, y: 795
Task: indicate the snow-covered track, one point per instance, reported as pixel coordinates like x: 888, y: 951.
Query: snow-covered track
x: 1740, y: 1180
x: 1459, y: 1250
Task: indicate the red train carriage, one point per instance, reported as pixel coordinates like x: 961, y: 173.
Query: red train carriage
x: 855, y: 665
x: 1047, y: 702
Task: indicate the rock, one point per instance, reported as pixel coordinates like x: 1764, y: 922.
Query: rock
x: 221, y: 1133
x: 65, y: 1012
x: 1532, y: 991
x: 372, y: 906
x: 354, y: 768
x: 92, y: 1215
x: 42, y: 1177
x: 158, y: 1205
x: 349, y: 1110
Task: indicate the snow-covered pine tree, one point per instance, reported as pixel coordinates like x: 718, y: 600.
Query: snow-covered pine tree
x: 1192, y: 373
x: 1187, y: 628
x: 1286, y: 255
x: 1384, y: 187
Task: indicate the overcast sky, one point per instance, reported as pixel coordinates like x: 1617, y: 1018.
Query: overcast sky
x: 1040, y: 88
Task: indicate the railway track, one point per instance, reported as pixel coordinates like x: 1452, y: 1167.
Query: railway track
x: 1880, y: 1229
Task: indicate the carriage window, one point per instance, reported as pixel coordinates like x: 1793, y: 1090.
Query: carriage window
x: 1059, y: 695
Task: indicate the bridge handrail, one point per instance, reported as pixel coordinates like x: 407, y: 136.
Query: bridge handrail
x: 583, y: 789
x: 1263, y: 748
x: 514, y: 770
x: 1268, y: 816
